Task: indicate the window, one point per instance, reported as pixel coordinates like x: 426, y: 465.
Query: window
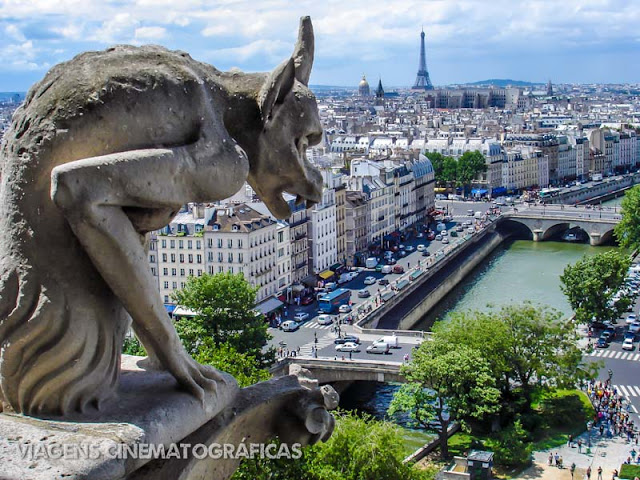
x: 220, y: 257
x: 191, y: 272
x: 180, y: 243
x: 182, y: 272
x: 219, y: 243
x: 280, y: 236
x: 209, y: 243
x: 172, y: 243
x: 166, y: 284
x: 198, y: 244
x: 175, y: 285
x: 181, y: 284
x: 240, y: 258
x: 173, y: 272
x: 210, y: 270
x: 189, y: 244
x: 173, y: 257
x: 164, y: 243
x: 209, y: 257
x: 153, y: 271
x: 199, y: 258
x: 220, y: 269
x: 164, y: 257
x: 152, y: 246
x: 182, y: 258
x: 152, y: 258
x: 230, y: 243
x: 190, y: 258
x: 230, y: 258
x: 230, y: 269
x: 166, y: 299
x: 199, y: 272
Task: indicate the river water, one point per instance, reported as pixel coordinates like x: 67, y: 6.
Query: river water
x: 514, y: 272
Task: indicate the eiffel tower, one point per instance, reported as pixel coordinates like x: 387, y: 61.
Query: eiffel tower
x: 423, y: 82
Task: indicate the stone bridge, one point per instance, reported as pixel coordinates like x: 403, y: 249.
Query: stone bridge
x: 545, y: 223
x: 334, y: 371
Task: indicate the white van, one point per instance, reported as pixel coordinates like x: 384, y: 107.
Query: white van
x: 392, y: 341
x: 386, y: 269
x: 378, y: 348
x: 371, y: 262
x: 478, y: 215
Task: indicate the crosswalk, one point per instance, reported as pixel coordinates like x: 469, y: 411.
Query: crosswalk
x: 631, y: 356
x: 307, y: 350
x: 317, y: 326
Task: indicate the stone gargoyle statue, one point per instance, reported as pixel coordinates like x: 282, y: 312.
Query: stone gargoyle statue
x: 105, y: 149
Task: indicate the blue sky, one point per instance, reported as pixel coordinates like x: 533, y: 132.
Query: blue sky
x: 572, y: 41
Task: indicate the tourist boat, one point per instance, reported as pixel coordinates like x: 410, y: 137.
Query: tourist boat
x: 573, y: 236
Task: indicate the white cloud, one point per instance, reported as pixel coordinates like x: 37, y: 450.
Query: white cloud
x: 14, y: 32
x: 273, y: 50
x: 149, y: 33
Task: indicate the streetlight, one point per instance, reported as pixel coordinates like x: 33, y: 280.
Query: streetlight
x: 589, y: 425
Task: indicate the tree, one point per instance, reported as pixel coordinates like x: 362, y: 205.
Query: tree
x: 449, y: 171
x: 444, y: 382
x: 523, y: 345
x: 360, y: 448
x: 627, y: 232
x: 469, y: 166
x: 592, y: 283
x: 437, y: 161
x: 246, y: 368
x: 444, y: 168
x: 224, y: 305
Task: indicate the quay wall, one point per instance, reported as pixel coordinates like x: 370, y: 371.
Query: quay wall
x: 595, y: 193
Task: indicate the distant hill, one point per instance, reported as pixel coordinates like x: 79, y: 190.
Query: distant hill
x: 503, y: 82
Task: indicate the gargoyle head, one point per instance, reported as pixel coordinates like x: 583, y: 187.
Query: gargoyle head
x: 290, y: 124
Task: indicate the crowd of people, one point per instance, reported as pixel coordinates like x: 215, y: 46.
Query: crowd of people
x: 611, y: 411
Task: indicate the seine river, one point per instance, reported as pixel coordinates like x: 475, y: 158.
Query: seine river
x: 515, y: 272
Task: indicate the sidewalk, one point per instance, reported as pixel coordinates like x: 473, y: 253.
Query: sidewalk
x: 609, y: 453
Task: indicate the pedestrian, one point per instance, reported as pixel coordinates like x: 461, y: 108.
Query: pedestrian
x: 350, y: 355
x: 315, y: 337
x: 579, y: 445
x: 570, y: 440
x: 573, y: 469
x: 550, y: 459
x: 589, y: 472
x: 599, y: 473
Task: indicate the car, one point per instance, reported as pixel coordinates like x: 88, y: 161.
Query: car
x: 379, y: 267
x: 470, y: 213
x: 348, y: 347
x: 426, y: 253
x: 347, y: 338
x: 354, y: 274
x: 444, y: 233
x: 344, y: 279
x: 454, y: 233
x: 630, y: 319
x: 634, y: 327
x: 383, y: 281
x: 439, y: 238
x: 398, y: 269
x: 420, y: 235
x: 401, y: 247
x: 289, y: 326
x: 364, y: 293
x: 445, y: 240
x: 471, y: 230
x: 627, y: 344
x: 324, y: 319
x: 380, y: 348
x: 602, y: 343
x: 431, y: 236
x: 409, y: 248
x: 306, y: 300
x: 402, y: 253
x: 391, y: 261
x: 386, y: 269
x: 369, y: 280
x: 344, y: 309
x: 331, y: 286
x: 459, y: 228
x: 421, y: 248
x: 609, y: 332
x: 630, y: 335
x: 300, y: 316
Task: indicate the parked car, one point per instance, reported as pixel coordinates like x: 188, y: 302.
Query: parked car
x: 401, y: 247
x: 402, y: 253
x: 602, y: 343
x: 379, y: 267
x: 324, y: 319
x: 445, y: 240
x: 306, y: 300
x: 630, y: 319
x: 459, y: 228
x: 471, y: 230
x: 421, y: 248
x: 398, y: 269
x: 627, y: 344
x: 630, y: 335
x: 439, y: 238
x: 380, y: 348
x: 391, y: 261
x: 348, y: 347
x: 289, y: 325
x: 426, y: 253
x: 610, y: 333
x: 344, y: 308
x: 301, y: 316
x: 364, y: 293
x: 347, y: 338
x: 386, y: 269
x: 383, y: 281
x: 409, y: 248
x: 331, y: 286
x: 420, y: 235
x: 634, y: 327
x: 431, y: 236
x: 369, y: 280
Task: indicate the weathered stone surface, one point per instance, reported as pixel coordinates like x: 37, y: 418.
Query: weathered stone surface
x: 106, y: 148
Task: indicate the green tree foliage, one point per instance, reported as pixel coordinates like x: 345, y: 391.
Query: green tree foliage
x: 437, y: 161
x: 360, y: 448
x: 591, y: 283
x: 512, y: 446
x: 627, y: 232
x: 224, y: 303
x: 470, y: 165
x: 445, y: 382
x: 449, y: 171
x: 132, y: 346
x: 246, y: 369
x: 523, y: 345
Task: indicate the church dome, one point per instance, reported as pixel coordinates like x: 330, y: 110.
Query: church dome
x: 363, y: 87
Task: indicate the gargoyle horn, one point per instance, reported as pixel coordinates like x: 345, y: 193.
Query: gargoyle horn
x: 303, y: 53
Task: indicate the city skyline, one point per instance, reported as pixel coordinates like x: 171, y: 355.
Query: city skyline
x: 572, y: 42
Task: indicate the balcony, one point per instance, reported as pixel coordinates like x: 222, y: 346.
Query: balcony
x: 299, y: 222
x: 300, y: 236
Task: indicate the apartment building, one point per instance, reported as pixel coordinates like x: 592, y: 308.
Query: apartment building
x: 357, y: 224
x: 323, y: 232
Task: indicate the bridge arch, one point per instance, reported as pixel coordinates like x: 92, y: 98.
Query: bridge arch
x: 515, y: 228
x: 608, y: 237
x: 555, y: 230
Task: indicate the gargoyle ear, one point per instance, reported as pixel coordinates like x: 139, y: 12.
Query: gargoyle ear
x: 278, y: 84
x: 303, y: 52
